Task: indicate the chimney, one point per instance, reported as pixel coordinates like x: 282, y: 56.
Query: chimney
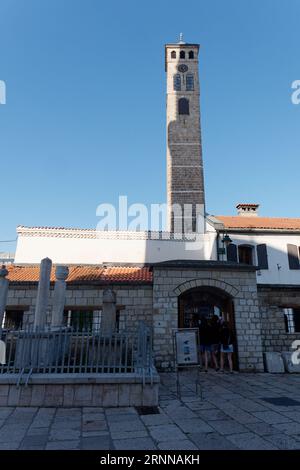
x: 247, y: 210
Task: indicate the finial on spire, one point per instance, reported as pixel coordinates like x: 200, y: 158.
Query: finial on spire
x: 181, y: 41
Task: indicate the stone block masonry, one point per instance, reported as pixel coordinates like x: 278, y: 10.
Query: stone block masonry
x: 272, y: 301
x: 134, y: 302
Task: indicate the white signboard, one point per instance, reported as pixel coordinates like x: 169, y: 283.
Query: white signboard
x: 186, y: 346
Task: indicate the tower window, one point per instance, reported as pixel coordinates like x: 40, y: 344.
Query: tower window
x: 183, y: 106
x: 191, y: 54
x: 177, y: 82
x: 190, y: 82
x: 182, y: 55
x: 173, y: 55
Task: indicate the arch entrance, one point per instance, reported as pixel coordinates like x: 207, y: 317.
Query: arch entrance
x: 199, y: 302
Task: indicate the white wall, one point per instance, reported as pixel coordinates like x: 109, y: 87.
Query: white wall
x: 277, y: 254
x: 30, y: 250
x: 80, y: 248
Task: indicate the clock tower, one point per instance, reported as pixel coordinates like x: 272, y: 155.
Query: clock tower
x: 185, y: 182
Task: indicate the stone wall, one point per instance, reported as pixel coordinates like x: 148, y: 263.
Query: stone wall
x: 133, y: 301
x: 272, y: 300
x: 76, y: 391
x: 239, y: 283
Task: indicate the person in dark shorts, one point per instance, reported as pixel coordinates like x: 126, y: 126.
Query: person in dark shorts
x: 215, y: 339
x: 205, y: 340
x: 226, y: 340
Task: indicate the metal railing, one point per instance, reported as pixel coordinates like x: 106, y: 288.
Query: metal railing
x: 68, y: 351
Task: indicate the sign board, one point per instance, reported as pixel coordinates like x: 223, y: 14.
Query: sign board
x: 186, y: 346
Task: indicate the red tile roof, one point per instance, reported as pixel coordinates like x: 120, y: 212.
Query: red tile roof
x: 264, y: 223
x: 84, y: 273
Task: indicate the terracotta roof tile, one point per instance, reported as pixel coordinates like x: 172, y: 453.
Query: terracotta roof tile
x: 264, y: 223
x: 84, y: 273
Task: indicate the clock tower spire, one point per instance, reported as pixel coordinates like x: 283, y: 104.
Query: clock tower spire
x: 185, y: 181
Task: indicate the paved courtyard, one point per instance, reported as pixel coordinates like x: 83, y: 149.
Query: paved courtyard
x: 233, y: 414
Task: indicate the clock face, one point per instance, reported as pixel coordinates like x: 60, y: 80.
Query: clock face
x: 182, y: 68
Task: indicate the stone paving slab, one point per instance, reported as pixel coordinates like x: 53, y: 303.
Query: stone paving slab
x: 212, y: 441
x: 135, y: 444
x: 271, y: 417
x: 175, y: 445
x: 165, y: 431
x: 231, y: 415
x: 228, y: 426
x: 250, y: 441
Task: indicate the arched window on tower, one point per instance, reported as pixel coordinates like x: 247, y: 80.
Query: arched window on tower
x: 177, y: 82
x: 173, y: 55
x: 182, y: 55
x: 191, y: 54
x: 183, y: 106
x: 190, y: 82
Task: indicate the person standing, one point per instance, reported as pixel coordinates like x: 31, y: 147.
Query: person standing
x: 205, y: 340
x: 226, y: 340
x: 215, y: 339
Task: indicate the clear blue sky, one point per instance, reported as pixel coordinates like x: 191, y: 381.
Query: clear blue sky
x: 85, y: 113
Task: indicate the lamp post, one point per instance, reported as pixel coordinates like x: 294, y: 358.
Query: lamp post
x: 226, y: 240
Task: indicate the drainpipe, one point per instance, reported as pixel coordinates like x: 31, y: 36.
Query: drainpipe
x: 218, y: 239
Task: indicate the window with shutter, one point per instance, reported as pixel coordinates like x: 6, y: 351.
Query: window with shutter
x: 292, y: 319
x: 297, y: 319
x: 262, y: 256
x: 232, y: 253
x: 293, y: 256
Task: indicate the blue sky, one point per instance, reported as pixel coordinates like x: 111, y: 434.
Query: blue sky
x: 85, y: 113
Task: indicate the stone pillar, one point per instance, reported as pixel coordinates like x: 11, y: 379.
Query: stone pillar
x: 43, y: 293
x: 108, y: 319
x: 3, y: 293
x: 59, y: 297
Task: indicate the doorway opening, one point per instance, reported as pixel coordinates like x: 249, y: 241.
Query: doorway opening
x: 204, y: 302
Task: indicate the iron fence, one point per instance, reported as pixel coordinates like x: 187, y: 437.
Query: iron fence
x: 68, y: 351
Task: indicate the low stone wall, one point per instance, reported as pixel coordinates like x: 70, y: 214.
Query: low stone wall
x: 57, y: 390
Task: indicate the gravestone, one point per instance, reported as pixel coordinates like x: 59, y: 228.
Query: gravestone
x: 289, y: 363
x: 43, y: 293
x: 3, y: 293
x: 109, y: 313
x: 59, y: 296
x: 273, y: 363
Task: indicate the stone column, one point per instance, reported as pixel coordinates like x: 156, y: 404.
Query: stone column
x: 59, y: 296
x: 108, y: 319
x: 3, y: 293
x: 43, y: 293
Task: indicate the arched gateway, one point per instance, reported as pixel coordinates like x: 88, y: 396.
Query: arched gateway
x: 185, y: 289
x: 205, y: 301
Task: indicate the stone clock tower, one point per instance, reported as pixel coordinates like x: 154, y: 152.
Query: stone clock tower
x: 185, y: 183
